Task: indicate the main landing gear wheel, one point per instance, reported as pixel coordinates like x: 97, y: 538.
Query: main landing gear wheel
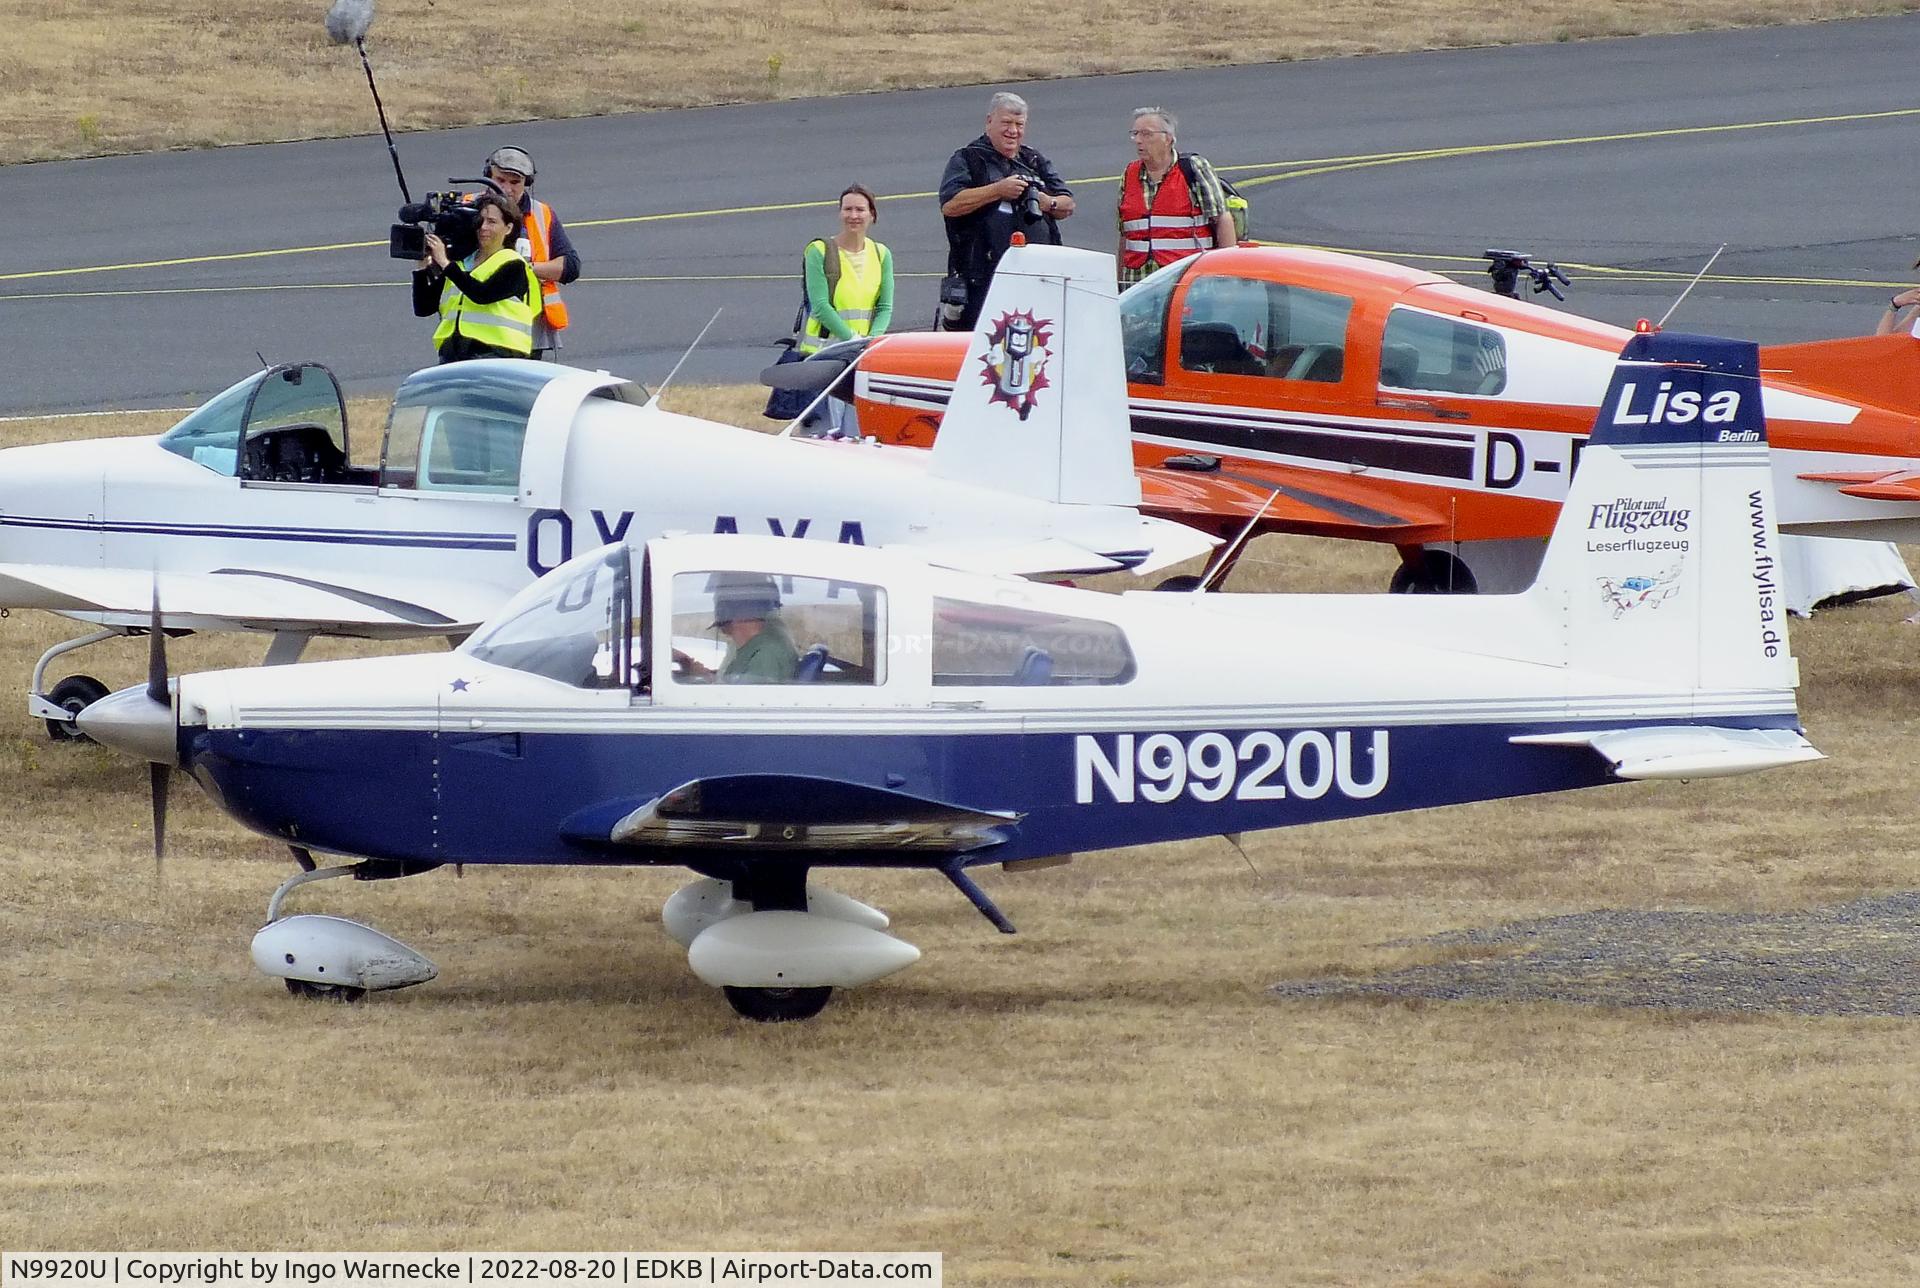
x: 75, y: 694
x: 1186, y: 581
x: 1435, y: 573
x: 325, y: 992
x: 777, y: 1005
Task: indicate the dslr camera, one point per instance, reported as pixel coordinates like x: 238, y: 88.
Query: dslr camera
x: 1029, y: 203
x: 452, y: 216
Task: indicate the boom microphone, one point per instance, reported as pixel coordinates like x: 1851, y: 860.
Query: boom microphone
x: 348, y: 20
x: 347, y: 24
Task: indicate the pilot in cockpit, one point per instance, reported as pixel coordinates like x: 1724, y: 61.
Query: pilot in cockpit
x: 746, y: 609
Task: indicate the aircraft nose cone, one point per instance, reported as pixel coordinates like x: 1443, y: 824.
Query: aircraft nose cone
x: 134, y: 723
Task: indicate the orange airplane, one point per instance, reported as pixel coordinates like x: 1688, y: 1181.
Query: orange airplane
x: 1312, y: 392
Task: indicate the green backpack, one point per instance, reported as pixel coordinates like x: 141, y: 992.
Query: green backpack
x: 1236, y: 204
x: 830, y: 265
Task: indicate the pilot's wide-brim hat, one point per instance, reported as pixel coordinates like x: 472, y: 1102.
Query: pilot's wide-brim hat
x: 747, y: 597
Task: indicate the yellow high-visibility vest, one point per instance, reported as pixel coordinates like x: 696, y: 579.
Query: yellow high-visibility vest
x: 506, y: 324
x: 854, y: 295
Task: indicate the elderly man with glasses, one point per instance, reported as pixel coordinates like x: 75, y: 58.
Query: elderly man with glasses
x: 1171, y: 206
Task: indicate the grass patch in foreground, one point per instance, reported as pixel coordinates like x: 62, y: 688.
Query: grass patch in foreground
x: 1111, y: 1097
x: 86, y: 80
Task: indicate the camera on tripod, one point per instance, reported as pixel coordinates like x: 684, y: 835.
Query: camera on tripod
x: 452, y: 216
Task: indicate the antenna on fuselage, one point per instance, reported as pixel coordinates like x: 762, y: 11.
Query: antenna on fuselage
x: 658, y: 393
x: 1218, y: 568
x: 1690, y: 285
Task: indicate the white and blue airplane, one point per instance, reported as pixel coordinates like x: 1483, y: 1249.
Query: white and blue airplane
x: 919, y: 717
x: 251, y: 515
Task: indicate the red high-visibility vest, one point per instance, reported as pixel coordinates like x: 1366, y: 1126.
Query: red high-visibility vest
x: 1169, y: 231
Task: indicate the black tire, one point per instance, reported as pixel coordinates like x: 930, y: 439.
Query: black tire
x: 1436, y: 573
x: 1186, y: 581
x: 344, y: 993
x: 75, y: 694
x: 778, y: 1005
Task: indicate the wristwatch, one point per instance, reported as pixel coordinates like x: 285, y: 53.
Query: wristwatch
x: 1894, y: 304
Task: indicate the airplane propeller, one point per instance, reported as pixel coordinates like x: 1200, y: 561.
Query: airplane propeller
x: 159, y: 773
x: 139, y: 720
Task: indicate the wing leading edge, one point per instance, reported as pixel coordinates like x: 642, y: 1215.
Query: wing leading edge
x: 1311, y: 502
x: 252, y: 599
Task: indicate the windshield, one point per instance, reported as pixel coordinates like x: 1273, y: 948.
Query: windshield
x: 210, y: 436
x: 1143, y: 321
x: 575, y: 625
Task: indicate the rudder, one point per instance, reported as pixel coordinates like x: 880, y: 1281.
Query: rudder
x: 1040, y: 406
x: 1664, y: 559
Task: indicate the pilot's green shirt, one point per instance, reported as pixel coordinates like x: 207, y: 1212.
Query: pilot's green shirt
x: 767, y: 658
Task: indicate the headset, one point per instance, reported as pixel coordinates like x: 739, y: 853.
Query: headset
x: 495, y: 160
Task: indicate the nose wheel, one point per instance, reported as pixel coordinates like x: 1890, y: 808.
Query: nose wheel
x: 325, y: 992
x: 777, y: 1005
x: 73, y: 695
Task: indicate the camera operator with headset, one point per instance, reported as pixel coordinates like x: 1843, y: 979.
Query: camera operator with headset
x: 994, y: 187
x: 487, y: 301
x: 548, y: 248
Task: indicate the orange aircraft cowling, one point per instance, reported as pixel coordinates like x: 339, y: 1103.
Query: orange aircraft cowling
x: 1335, y: 395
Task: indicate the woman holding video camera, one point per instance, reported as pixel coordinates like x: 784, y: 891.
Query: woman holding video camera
x: 487, y: 301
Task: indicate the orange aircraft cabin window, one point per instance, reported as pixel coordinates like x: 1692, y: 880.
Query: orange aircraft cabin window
x: 1238, y: 326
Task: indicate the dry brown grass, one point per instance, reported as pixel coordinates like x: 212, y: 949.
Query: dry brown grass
x: 1111, y: 1097
x: 144, y: 74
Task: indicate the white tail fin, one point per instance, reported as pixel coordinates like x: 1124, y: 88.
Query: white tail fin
x: 1665, y: 557
x: 1030, y: 413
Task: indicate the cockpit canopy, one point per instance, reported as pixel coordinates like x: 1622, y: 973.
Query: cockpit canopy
x: 287, y: 424
x: 459, y: 428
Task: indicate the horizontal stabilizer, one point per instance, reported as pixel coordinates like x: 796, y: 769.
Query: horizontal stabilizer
x: 1876, y: 370
x: 747, y: 812
x: 1873, y: 485
x: 1684, y: 751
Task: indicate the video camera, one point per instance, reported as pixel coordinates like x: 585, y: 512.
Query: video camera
x: 1507, y: 267
x: 452, y: 216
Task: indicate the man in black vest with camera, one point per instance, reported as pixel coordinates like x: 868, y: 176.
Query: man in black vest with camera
x: 994, y: 187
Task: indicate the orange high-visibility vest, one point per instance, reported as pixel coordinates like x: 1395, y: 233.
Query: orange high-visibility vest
x: 1172, y: 229
x: 539, y: 222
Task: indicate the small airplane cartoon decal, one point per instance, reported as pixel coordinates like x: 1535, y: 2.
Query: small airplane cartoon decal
x: 1627, y: 593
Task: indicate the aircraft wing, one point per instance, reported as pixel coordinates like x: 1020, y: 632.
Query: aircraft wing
x: 259, y: 599
x: 1313, y: 502
x: 1684, y: 751
x: 1873, y: 485
x: 750, y: 813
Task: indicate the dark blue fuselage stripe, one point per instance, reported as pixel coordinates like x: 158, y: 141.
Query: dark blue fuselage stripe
x: 323, y: 536
x: 461, y: 796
